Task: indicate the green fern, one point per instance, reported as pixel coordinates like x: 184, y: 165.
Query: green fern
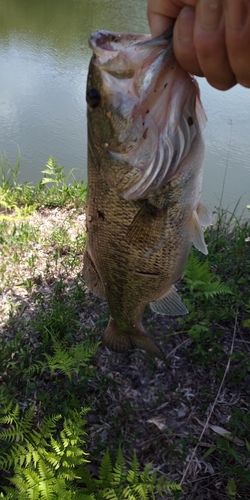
x: 18, y: 425
x: 44, y: 464
x: 200, y: 279
x: 51, y: 465
x: 69, y: 360
x: 119, y: 468
x: 54, y: 173
x: 130, y: 484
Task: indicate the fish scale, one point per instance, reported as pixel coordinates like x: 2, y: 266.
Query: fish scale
x: 139, y: 235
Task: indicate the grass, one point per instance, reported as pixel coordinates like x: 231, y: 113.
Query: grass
x: 191, y: 417
x: 25, y: 198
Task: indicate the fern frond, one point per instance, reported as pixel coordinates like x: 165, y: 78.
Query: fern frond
x: 36, y: 369
x: 110, y: 494
x: 133, y: 474
x: 11, y: 414
x: 52, y: 466
x: 105, y: 471
x: 11, y: 434
x: 48, y: 425
x: 128, y: 494
x: 25, y: 479
x: 120, y: 460
x: 10, y: 494
x: 119, y: 471
x: 141, y: 491
x: 146, y: 472
x: 5, y: 404
x: 47, y: 489
x: 199, y: 278
x: 70, y: 360
x: 163, y: 485
x: 216, y: 288
x: 27, y: 418
x: 84, y: 496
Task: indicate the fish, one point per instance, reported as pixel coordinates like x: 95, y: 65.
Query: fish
x: 145, y: 167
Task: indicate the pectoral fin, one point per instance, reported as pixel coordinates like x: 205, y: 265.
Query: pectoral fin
x: 196, y: 233
x: 204, y: 214
x: 122, y: 342
x: 92, y: 278
x: 147, y: 230
x: 169, y: 304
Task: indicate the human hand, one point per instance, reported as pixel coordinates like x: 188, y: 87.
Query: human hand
x: 211, y: 37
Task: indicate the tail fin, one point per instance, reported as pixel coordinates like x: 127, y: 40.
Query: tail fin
x: 119, y: 342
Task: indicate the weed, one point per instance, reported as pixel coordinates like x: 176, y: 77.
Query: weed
x: 51, y: 363
x: 23, y: 199
x: 54, y: 173
x: 50, y: 466
x: 8, y: 172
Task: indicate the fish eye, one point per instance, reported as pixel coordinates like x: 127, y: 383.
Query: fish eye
x: 93, y: 97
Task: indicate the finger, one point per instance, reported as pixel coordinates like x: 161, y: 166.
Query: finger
x: 184, y: 48
x: 162, y: 13
x: 237, y: 23
x: 210, y: 45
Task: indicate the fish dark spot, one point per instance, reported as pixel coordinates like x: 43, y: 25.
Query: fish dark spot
x: 147, y: 111
x: 155, y: 90
x: 165, y: 85
x: 100, y: 214
x: 93, y: 97
x: 144, y: 135
x: 190, y: 121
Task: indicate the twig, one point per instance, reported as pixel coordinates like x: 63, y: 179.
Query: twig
x: 227, y: 162
x: 177, y: 347
x: 214, y: 404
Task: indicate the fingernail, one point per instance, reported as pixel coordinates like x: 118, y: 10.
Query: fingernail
x: 210, y: 12
x: 186, y: 20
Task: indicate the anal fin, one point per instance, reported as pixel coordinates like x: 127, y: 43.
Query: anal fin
x: 122, y: 342
x: 169, y: 304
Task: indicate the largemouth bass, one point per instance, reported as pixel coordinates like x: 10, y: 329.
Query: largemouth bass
x: 145, y: 160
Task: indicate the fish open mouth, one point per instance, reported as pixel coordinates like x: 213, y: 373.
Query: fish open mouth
x: 156, y: 95
x: 101, y: 41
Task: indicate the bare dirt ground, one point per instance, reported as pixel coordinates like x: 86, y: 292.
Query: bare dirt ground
x: 171, y: 414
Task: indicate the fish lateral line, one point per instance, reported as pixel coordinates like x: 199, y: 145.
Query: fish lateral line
x: 146, y: 275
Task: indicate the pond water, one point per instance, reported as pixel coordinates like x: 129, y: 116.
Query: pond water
x: 44, y: 57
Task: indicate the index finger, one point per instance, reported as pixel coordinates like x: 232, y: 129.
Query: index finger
x: 162, y: 13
